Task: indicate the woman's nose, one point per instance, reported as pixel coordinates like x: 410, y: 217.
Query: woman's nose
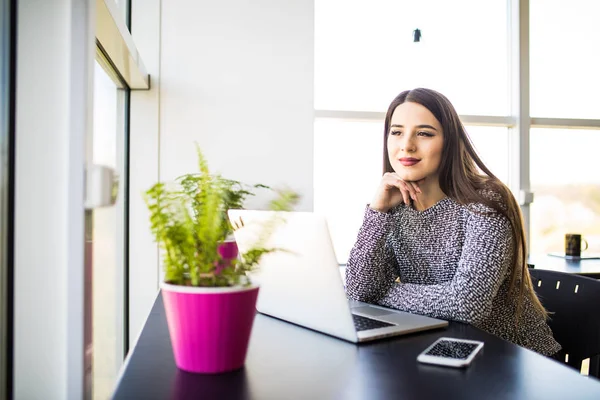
x: 408, y: 144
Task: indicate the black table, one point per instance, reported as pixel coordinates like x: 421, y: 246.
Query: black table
x: 590, y: 268
x: 286, y: 361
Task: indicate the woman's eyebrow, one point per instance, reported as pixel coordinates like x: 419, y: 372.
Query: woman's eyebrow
x: 418, y: 126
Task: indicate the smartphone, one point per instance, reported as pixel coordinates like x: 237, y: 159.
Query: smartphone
x: 451, y: 352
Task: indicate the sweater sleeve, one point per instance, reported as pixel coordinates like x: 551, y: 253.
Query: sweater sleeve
x: 482, y: 268
x: 371, y: 268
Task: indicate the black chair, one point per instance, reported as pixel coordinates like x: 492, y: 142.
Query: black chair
x: 574, y: 305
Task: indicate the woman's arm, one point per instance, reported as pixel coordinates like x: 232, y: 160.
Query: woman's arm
x: 372, y: 267
x: 484, y: 264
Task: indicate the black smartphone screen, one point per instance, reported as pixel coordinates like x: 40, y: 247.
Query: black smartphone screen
x: 452, y: 349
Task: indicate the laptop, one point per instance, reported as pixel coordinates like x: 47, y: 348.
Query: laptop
x: 301, y: 283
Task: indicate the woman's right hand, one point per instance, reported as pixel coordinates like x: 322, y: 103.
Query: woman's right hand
x: 392, y: 191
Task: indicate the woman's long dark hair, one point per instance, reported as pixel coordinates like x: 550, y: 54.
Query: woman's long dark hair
x: 465, y: 178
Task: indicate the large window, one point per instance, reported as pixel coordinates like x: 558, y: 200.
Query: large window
x: 564, y: 84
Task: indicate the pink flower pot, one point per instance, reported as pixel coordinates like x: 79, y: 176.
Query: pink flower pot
x: 209, y: 327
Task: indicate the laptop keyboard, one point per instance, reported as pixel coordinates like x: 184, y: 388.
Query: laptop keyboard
x: 364, y: 323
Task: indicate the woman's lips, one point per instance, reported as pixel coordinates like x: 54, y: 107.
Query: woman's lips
x: 407, y: 162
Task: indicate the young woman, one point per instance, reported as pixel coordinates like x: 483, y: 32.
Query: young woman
x: 443, y: 236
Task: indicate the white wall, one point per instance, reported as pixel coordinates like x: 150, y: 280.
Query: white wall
x: 237, y: 77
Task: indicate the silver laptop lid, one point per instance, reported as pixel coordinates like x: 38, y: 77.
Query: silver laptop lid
x: 301, y: 283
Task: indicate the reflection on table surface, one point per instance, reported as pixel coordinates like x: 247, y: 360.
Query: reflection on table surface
x: 587, y: 267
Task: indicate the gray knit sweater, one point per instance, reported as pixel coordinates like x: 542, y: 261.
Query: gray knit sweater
x: 453, y: 263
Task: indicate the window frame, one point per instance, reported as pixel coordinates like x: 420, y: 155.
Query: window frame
x: 115, y: 42
x: 118, y: 56
x: 7, y: 112
x: 60, y: 311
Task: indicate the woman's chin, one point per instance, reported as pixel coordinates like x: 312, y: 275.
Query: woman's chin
x: 410, y: 176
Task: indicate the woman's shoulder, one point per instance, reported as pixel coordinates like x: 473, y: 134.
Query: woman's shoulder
x: 491, y: 202
x: 489, y: 209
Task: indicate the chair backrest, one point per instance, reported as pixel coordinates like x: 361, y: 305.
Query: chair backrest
x: 573, y: 302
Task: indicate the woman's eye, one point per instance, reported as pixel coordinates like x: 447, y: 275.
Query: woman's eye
x: 423, y: 133
x: 395, y: 133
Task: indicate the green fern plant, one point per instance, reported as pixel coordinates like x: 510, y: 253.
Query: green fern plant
x: 189, y: 222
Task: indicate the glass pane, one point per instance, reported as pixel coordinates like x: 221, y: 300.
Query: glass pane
x: 348, y: 167
x: 566, y: 183
x: 491, y: 144
x: 565, y: 37
x: 105, y: 236
x: 365, y: 54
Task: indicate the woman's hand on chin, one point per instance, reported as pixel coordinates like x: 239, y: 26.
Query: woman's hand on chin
x: 392, y: 191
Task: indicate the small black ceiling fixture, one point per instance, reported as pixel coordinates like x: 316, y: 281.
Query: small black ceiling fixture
x: 417, y: 35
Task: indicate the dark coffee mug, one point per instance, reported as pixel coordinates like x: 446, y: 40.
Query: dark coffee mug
x: 573, y: 244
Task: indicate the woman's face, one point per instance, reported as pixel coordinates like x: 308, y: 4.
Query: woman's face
x: 415, y: 142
